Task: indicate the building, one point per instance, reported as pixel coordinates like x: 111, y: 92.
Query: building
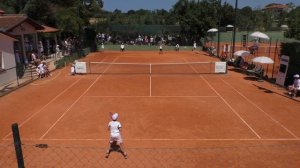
x: 277, y: 9
x: 19, y: 37
x: 7, y: 59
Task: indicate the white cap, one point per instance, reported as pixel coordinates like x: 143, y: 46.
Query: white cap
x: 114, y: 116
x: 296, y: 76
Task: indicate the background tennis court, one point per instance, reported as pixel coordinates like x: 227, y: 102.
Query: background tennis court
x: 234, y: 120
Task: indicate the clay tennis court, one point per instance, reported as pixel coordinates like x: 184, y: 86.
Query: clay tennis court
x: 232, y: 119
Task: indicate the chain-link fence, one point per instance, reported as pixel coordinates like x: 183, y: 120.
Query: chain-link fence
x: 7, y: 156
x: 49, y: 156
x: 21, y: 75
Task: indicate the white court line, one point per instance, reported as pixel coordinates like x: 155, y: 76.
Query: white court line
x: 164, y: 139
x: 232, y: 109
x: 255, y: 105
x: 53, y: 125
x: 150, y: 85
x: 34, y: 114
x: 152, y: 96
x: 46, y: 81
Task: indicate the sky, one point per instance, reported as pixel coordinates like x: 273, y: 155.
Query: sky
x: 125, y: 5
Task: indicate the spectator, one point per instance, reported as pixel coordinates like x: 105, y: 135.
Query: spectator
x: 41, y: 70
x: 114, y: 127
x: 46, y: 69
x: 34, y: 59
x: 73, y: 71
x: 40, y: 49
x: 295, y: 87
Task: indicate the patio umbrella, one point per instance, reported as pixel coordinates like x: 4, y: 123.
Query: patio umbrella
x: 263, y: 60
x: 229, y: 26
x: 241, y: 53
x: 260, y: 35
x: 284, y: 27
x: 212, y: 30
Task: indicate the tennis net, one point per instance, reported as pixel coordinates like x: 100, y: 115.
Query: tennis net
x: 156, y: 68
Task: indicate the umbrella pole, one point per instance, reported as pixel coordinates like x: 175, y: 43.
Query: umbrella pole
x: 275, y: 53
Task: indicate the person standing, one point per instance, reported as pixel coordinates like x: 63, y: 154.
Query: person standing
x: 177, y: 47
x: 161, y: 49
x: 114, y: 127
x: 194, y: 46
x: 122, y: 47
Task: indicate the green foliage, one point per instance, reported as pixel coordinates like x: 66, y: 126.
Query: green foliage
x: 68, y: 22
x: 66, y: 60
x: 38, y: 10
x: 294, y: 24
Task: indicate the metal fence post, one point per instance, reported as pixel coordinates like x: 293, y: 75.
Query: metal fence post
x: 18, y: 145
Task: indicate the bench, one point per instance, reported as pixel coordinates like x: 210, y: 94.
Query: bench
x: 256, y: 71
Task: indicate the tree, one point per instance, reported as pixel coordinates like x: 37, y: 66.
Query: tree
x: 38, y: 10
x: 13, y: 6
x: 294, y: 24
x: 196, y: 17
x: 227, y: 15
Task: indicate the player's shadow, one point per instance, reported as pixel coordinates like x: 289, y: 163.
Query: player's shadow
x: 115, y: 148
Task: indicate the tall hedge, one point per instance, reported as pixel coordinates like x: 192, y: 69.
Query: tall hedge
x: 293, y: 51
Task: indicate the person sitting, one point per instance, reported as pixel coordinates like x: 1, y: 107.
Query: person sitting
x: 46, y: 69
x: 295, y: 87
x: 254, y: 48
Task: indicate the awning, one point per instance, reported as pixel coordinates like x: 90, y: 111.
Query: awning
x: 48, y: 29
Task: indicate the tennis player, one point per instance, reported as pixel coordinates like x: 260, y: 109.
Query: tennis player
x: 114, y: 127
x: 160, y: 48
x: 122, y: 47
x: 194, y: 46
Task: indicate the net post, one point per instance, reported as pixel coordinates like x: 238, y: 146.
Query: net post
x: 150, y: 69
x: 90, y: 67
x: 18, y: 145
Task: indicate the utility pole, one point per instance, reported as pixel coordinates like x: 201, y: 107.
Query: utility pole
x: 234, y: 26
x: 219, y: 24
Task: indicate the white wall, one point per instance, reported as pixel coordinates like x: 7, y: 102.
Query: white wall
x: 8, y: 57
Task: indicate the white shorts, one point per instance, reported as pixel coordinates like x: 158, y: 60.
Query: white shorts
x: 115, y: 138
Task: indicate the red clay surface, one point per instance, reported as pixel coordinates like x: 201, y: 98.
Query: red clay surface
x: 158, y: 111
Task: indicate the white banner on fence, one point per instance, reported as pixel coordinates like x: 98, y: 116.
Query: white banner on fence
x: 220, y: 67
x: 282, y: 71
x: 80, y: 67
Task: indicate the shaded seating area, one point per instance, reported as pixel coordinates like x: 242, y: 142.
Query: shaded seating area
x: 257, y: 70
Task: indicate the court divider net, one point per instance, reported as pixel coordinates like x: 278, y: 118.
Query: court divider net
x: 156, y: 68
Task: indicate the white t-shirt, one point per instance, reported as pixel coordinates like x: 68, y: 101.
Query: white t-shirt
x: 114, y: 127
x: 297, y: 83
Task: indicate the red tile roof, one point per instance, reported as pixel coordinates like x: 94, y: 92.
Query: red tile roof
x: 9, y: 22
x: 48, y: 29
x: 276, y: 6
